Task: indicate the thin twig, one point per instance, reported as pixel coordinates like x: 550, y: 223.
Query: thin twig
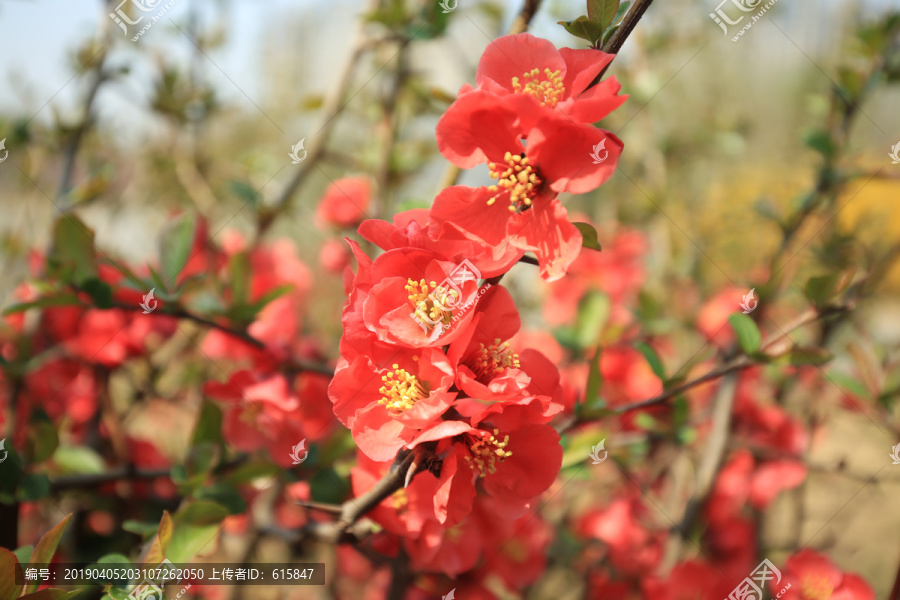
x: 615, y: 43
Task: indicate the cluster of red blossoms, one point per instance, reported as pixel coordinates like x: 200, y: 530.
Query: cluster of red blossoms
x: 425, y: 358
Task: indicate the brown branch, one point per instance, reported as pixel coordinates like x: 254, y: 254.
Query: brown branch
x: 739, y: 363
x: 128, y: 473
x: 295, y: 365
x: 315, y: 146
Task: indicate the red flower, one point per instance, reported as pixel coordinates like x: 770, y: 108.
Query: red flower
x: 691, y: 579
x: 387, y: 398
x: 413, y: 229
x: 486, y: 368
x: 407, y: 297
x: 345, y: 202
x: 515, y: 456
x: 532, y: 68
x: 812, y: 576
x: 521, y: 210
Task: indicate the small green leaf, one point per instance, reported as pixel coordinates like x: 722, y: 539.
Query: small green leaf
x: 329, y: 487
x: 239, y: 276
x: 187, y: 540
x: 594, y: 380
x: 645, y: 421
x: 99, y: 291
x: 620, y: 14
x: 33, y: 486
x: 652, y: 359
x: 72, y: 257
x: 46, y: 548
x: 65, y: 299
x: 588, y: 236
x: 223, y: 494
x: 78, y: 460
x: 9, y: 566
x: 243, y: 191
x: 157, y: 551
x: 821, y: 141
x: 602, y: 12
x: 593, y: 312
x: 209, y: 424
x: 583, y: 28
x: 202, y: 512
x: 201, y: 459
x: 142, y: 528
x: 819, y: 290
x: 608, y: 35
x: 806, y: 356
x: 175, y: 246
x: 747, y: 332
x: 24, y: 553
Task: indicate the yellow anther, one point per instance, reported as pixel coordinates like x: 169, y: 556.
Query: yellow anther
x: 401, y: 390
x: 547, y: 87
x: 487, y: 452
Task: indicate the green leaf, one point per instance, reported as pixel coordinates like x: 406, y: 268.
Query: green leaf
x: 203, y: 512
x: 329, y: 487
x: 223, y: 494
x: 72, y: 257
x: 645, y: 421
x: 33, y: 486
x: 175, y: 246
x: 24, y: 553
x: 142, y: 528
x: 209, y: 424
x: 747, y: 332
x: 187, y: 540
x: 583, y: 28
x: 157, y: 551
x: 602, y: 12
x: 65, y: 299
x: 46, y: 548
x: 117, y: 593
x: 41, y: 440
x: 99, y: 291
x: 819, y: 290
x: 608, y: 35
x: 593, y: 312
x: 114, y: 559
x: 588, y: 236
x: 239, y: 276
x: 620, y: 14
x: 251, y: 471
x: 201, y: 460
x: 244, y: 191
x: 594, y: 380
x: 806, y: 356
x: 821, y: 141
x: 653, y: 359
x: 78, y: 460
x: 9, y: 566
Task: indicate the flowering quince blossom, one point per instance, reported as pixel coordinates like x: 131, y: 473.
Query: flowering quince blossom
x: 345, y: 202
x: 522, y: 210
x: 813, y: 576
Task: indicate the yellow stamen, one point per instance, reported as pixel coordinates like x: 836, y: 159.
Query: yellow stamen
x: 401, y: 390
x: 493, y: 358
x: 486, y: 452
x: 517, y: 177
x: 548, y: 89
x: 431, y: 303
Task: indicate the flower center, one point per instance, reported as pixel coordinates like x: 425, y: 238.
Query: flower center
x: 494, y: 358
x: 431, y: 302
x: 251, y: 412
x: 818, y: 588
x: 401, y: 390
x: 547, y: 87
x: 400, y: 499
x: 486, y: 452
x: 518, y: 177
